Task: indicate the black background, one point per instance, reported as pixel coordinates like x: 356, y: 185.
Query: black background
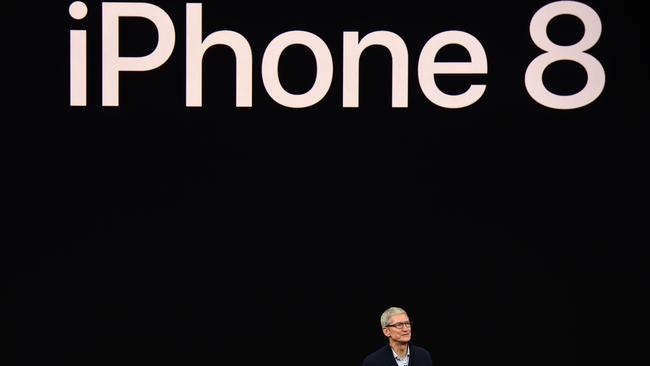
x: 155, y: 234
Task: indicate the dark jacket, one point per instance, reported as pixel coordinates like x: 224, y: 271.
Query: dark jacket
x: 384, y: 357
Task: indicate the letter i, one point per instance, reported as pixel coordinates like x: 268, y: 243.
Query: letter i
x: 78, y: 10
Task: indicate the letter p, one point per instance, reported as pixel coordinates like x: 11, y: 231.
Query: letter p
x: 112, y: 63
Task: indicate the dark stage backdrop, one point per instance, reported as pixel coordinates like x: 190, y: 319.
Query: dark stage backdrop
x: 151, y: 233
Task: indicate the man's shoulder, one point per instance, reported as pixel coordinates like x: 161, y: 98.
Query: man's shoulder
x: 380, y: 351
x: 383, y: 356
x: 376, y: 356
x: 418, y: 349
x: 421, y: 356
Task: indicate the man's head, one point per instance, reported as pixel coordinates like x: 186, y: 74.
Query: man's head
x: 396, y: 325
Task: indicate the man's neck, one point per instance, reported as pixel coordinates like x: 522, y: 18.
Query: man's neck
x: 399, y: 348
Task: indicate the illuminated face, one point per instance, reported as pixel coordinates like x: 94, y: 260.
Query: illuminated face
x: 398, y: 328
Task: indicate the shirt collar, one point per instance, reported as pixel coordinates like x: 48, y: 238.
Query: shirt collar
x: 408, y: 352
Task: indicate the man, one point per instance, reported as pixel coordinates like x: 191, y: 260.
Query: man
x: 399, y: 351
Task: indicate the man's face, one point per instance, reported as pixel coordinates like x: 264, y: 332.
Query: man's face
x: 398, y: 328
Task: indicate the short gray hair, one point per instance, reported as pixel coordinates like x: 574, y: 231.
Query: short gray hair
x: 389, y: 313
